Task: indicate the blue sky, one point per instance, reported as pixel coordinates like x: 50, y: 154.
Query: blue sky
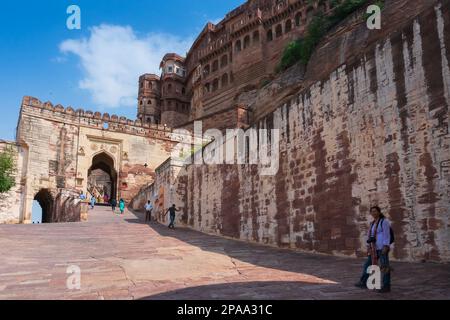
x: 94, y: 68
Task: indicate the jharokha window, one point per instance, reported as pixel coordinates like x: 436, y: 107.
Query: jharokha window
x: 288, y: 26
x: 215, y: 65
x: 256, y: 37
x: 224, y: 61
x: 238, y: 46
x: 225, y: 80
x: 279, y: 31
x: 298, y: 19
x: 246, y: 42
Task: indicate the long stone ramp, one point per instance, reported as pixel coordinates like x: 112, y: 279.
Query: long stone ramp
x: 121, y: 257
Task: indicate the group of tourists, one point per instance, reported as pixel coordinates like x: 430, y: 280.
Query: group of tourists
x: 121, y: 205
x: 380, y: 239
x: 112, y: 202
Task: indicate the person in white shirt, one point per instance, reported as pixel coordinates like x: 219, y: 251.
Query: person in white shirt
x: 148, y: 211
x: 378, y: 247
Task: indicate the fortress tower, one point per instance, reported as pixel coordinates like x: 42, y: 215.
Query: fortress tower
x: 149, y: 107
x: 175, y: 103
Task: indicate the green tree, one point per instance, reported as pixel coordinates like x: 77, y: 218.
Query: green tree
x: 7, y: 168
x: 302, y: 49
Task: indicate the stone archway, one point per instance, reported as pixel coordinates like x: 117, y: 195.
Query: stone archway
x: 45, y: 200
x: 102, y: 177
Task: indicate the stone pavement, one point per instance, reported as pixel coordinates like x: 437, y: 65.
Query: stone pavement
x: 123, y: 258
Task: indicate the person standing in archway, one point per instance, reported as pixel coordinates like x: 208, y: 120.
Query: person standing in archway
x: 93, y: 201
x: 122, y: 206
x: 113, y: 205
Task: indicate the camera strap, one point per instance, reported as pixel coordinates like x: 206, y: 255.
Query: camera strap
x: 373, y: 245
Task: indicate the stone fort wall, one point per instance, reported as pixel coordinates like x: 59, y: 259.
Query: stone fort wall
x: 374, y: 131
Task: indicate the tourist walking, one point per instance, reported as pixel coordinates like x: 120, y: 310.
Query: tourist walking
x: 122, y: 206
x: 379, y: 244
x: 148, y: 211
x: 93, y: 201
x: 113, y: 204
x: 173, y: 209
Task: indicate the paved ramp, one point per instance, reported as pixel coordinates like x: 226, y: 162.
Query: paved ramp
x: 121, y: 257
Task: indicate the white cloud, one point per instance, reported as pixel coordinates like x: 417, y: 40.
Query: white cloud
x: 113, y: 58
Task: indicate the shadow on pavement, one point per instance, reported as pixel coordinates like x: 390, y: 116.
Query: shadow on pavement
x: 266, y: 290
x: 412, y: 280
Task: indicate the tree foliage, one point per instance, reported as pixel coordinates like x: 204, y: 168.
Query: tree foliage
x: 301, y: 50
x: 7, y: 167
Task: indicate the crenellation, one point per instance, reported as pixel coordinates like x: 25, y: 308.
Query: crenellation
x: 92, y: 119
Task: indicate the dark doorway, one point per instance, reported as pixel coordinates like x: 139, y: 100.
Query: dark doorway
x: 45, y: 200
x: 102, y: 178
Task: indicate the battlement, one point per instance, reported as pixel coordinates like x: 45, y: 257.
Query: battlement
x: 104, y: 121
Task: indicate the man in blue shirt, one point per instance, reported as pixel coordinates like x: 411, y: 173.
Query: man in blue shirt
x: 378, y: 247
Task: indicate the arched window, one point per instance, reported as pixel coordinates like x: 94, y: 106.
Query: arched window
x: 183, y: 91
x: 298, y: 19
x: 256, y: 36
x: 149, y: 102
x: 225, y: 80
x: 224, y: 61
x: 246, y: 42
x: 309, y: 14
x: 169, y: 88
x: 215, y: 66
x: 288, y: 26
x: 322, y: 8
x: 269, y: 35
x: 206, y: 88
x: 206, y: 70
x: 215, y: 85
x: 279, y: 31
x: 238, y: 46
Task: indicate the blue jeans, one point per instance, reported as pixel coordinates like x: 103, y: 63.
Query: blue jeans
x: 172, y: 221
x: 383, y: 262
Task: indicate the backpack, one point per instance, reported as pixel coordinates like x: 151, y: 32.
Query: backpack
x: 391, y: 230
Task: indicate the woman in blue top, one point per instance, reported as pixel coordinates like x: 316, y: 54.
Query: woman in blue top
x: 93, y: 201
x: 122, y: 206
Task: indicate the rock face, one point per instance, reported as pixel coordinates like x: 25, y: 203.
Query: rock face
x: 368, y: 128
